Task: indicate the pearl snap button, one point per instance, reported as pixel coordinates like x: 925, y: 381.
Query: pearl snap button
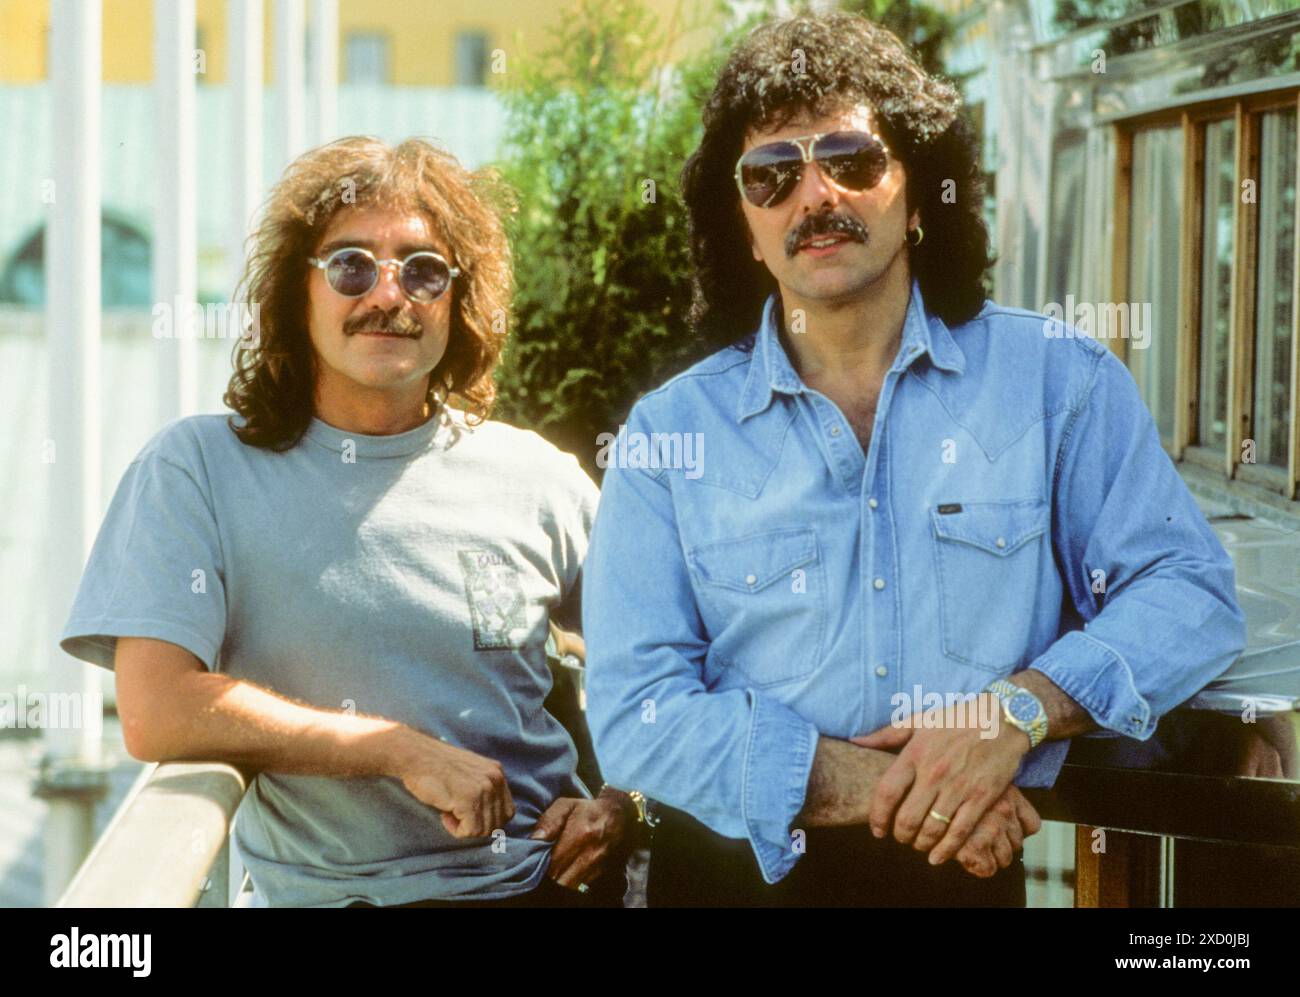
x: 1000, y: 542
x: 882, y: 671
x: 835, y: 430
x: 879, y: 583
x: 750, y: 579
x: 872, y: 502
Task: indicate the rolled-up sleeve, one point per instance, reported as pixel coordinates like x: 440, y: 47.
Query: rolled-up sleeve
x: 737, y: 760
x: 1147, y: 576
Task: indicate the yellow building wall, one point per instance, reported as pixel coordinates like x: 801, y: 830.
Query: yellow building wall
x: 421, y: 34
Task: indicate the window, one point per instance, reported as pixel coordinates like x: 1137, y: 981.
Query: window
x: 1156, y: 206
x: 1275, y: 287
x: 366, y: 58
x: 124, y: 268
x: 1208, y: 233
x: 471, y: 58
x: 1216, y: 282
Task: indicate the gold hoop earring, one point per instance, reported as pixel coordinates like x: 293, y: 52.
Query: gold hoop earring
x: 920, y: 234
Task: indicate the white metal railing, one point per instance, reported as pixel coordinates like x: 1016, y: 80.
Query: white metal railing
x: 168, y: 845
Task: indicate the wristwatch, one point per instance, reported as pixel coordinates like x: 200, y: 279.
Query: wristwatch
x: 1022, y: 709
x: 643, y: 818
x: 644, y: 809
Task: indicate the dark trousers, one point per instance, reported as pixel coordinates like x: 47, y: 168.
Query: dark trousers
x: 691, y: 866
x: 605, y: 892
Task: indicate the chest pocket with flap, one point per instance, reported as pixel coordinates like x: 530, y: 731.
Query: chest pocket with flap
x: 763, y: 601
x: 988, y: 559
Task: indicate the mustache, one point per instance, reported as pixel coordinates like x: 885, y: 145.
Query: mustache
x: 825, y: 224
x: 401, y: 324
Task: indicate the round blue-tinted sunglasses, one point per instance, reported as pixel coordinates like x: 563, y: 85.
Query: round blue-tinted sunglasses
x: 352, y: 271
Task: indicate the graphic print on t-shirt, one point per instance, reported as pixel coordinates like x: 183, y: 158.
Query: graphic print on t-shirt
x: 496, y: 600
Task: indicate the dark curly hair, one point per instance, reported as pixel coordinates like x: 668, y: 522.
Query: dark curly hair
x: 273, y: 385
x: 846, y: 61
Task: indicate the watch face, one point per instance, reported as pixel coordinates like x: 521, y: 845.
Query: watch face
x: 1023, y: 706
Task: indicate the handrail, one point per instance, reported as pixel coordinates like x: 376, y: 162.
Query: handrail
x: 168, y: 843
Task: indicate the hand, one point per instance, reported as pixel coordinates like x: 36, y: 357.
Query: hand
x: 946, y: 764
x: 470, y: 790
x: 569, y: 643
x: 1000, y: 833
x: 588, y: 835
x: 1258, y: 758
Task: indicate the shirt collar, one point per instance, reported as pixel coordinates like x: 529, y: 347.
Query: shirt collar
x: 771, y: 371
x: 438, y: 432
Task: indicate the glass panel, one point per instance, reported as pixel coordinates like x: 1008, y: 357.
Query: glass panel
x: 1065, y: 230
x: 124, y: 268
x: 1216, y: 282
x: 1274, y: 286
x: 1156, y: 211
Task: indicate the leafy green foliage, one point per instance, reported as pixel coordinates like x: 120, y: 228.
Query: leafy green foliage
x: 598, y: 129
x: 925, y: 30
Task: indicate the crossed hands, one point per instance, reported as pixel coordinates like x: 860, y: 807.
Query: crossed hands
x: 961, y: 773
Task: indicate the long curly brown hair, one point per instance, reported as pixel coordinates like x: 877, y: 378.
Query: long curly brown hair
x: 273, y: 384
x: 819, y: 65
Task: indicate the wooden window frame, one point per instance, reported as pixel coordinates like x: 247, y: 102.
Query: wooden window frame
x: 1245, y: 112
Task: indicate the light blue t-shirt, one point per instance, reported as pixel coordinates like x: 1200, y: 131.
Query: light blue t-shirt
x: 408, y: 576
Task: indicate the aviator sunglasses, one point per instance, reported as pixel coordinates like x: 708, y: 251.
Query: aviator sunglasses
x: 768, y: 173
x: 351, y: 271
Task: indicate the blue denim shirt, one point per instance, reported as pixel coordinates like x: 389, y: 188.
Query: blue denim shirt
x: 1014, y: 509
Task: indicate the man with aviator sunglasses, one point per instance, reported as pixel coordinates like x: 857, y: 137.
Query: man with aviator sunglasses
x: 347, y: 587
x: 853, y: 160
x: 930, y: 543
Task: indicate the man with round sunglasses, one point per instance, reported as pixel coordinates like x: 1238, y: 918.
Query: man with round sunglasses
x: 347, y: 586
x: 933, y: 538
x: 353, y: 271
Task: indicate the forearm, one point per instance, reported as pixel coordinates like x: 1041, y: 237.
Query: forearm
x: 216, y: 717
x: 1065, y: 717
x: 841, y: 783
